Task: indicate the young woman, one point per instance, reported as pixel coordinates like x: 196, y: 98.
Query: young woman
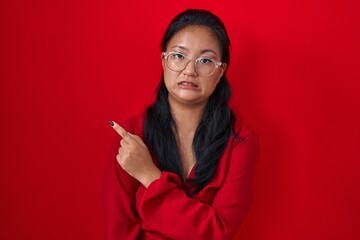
x: 184, y: 168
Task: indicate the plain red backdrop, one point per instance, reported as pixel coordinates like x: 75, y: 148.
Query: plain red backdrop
x: 67, y: 67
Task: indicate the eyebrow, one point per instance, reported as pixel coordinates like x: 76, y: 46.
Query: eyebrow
x: 202, y: 52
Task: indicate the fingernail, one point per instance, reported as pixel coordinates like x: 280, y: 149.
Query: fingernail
x: 111, y: 123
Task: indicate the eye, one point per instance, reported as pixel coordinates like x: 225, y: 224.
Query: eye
x: 178, y: 56
x: 205, y: 60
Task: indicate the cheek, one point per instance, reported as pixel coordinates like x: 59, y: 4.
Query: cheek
x: 218, y: 77
x: 215, y: 81
x: 169, y: 80
x: 212, y: 83
x: 209, y: 86
x: 167, y: 77
x: 170, y: 76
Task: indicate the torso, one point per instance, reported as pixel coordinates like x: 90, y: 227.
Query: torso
x: 186, y: 152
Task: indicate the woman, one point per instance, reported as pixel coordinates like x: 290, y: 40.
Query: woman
x: 184, y: 168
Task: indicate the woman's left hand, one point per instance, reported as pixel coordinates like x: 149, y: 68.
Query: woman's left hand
x: 134, y: 157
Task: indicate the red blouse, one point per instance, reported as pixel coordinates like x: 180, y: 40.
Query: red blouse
x: 164, y: 211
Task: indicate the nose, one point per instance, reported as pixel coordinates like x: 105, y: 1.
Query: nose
x: 190, y: 68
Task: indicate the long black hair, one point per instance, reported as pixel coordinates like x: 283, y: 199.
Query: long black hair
x: 216, y: 125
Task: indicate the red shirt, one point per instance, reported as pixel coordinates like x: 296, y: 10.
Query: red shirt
x: 164, y: 211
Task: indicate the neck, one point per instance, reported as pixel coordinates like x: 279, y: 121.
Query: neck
x: 186, y: 117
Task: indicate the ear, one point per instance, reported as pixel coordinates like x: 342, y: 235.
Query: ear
x: 223, y: 68
x: 162, y: 60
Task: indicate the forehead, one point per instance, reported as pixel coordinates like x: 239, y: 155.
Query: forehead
x: 196, y: 39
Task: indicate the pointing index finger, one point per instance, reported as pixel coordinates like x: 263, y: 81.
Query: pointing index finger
x: 118, y: 129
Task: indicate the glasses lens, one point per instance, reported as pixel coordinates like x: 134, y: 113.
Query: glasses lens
x: 176, y: 61
x: 205, y: 66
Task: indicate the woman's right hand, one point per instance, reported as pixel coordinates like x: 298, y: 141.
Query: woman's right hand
x: 134, y: 157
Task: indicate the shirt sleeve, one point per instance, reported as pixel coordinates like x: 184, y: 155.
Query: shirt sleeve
x: 165, y: 206
x: 121, y: 218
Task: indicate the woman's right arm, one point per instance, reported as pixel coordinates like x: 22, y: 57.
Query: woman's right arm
x: 121, y: 219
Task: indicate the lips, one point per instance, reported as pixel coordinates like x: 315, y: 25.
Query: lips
x: 188, y: 84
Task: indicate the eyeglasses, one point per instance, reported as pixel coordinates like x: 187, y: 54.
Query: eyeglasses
x: 177, y: 62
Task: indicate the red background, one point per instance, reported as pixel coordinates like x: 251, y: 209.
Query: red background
x: 67, y: 67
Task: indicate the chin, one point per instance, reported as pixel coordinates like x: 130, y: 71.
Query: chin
x: 189, y: 97
x: 192, y: 100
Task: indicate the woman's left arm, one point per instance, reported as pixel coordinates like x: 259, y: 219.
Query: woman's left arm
x: 164, y: 206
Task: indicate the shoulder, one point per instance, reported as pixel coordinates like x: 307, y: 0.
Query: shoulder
x: 245, y: 141
x: 244, y: 133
